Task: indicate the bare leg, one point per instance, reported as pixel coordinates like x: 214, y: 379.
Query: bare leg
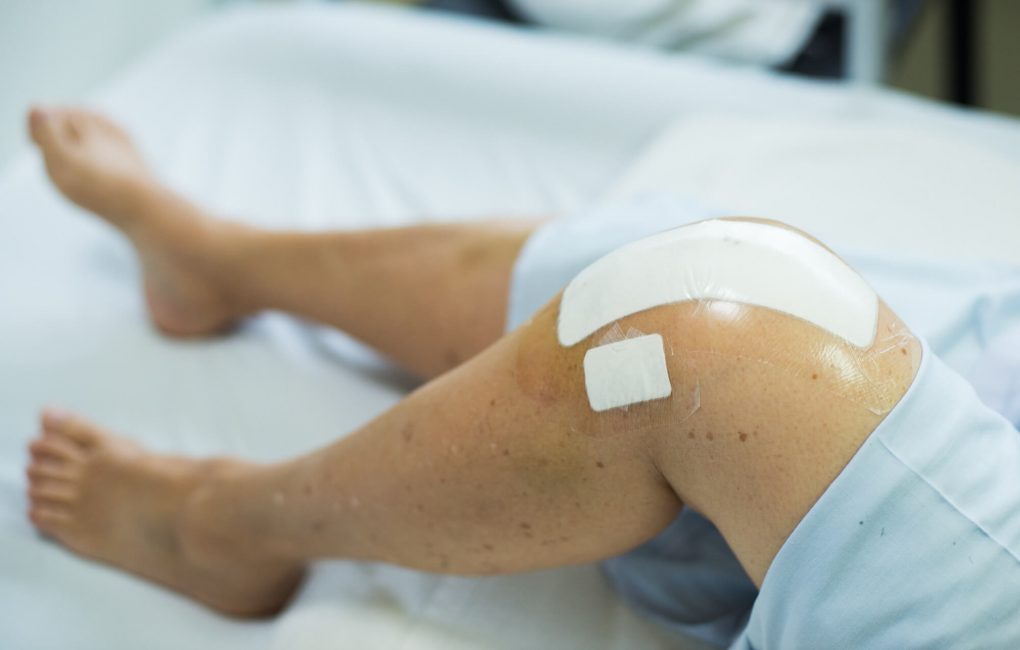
x: 499, y: 465
x: 427, y: 296
x: 430, y: 297
x: 470, y: 474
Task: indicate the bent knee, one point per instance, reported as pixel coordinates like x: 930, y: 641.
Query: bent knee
x: 752, y: 356
x: 715, y: 287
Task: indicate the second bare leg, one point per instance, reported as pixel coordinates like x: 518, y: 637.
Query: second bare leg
x: 429, y: 296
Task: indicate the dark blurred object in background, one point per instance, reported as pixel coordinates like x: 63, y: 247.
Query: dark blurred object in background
x: 483, y: 8
x: 825, y: 53
x: 822, y: 56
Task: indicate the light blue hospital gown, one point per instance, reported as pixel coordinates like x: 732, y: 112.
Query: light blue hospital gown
x: 917, y: 542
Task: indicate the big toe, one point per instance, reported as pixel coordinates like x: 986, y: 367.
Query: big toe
x: 42, y: 126
x: 70, y: 426
x: 36, y: 116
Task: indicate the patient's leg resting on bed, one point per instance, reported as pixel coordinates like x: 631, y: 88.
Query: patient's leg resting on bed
x: 527, y: 455
x: 427, y: 296
x: 506, y: 463
x: 497, y: 466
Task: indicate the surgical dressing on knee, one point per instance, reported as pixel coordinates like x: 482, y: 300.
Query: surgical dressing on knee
x: 625, y: 372
x: 715, y: 262
x: 736, y: 261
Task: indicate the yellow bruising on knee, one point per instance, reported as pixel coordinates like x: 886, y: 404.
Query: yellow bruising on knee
x: 874, y: 377
x: 709, y: 344
x: 552, y: 377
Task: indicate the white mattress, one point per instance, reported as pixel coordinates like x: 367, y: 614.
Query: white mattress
x: 335, y: 116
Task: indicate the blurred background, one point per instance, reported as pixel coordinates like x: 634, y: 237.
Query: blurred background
x: 963, y: 51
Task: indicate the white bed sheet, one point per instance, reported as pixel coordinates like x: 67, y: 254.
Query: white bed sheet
x: 317, y: 117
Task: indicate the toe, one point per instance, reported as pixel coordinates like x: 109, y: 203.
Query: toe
x: 61, y: 422
x: 45, y: 470
x: 44, y: 477
x: 51, y: 494
x: 55, y: 447
x: 36, y: 121
x: 36, y: 115
x: 42, y: 127
x: 48, y: 518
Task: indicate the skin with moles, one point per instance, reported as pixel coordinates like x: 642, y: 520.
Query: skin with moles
x: 498, y: 464
x: 501, y: 465
x: 766, y: 409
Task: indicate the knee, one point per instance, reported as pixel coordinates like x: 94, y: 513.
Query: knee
x: 710, y: 288
x: 742, y: 351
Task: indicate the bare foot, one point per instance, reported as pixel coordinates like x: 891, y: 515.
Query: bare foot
x: 91, y: 160
x: 107, y: 499
x: 94, y: 163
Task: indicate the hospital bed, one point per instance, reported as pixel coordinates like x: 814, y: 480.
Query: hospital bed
x: 348, y: 116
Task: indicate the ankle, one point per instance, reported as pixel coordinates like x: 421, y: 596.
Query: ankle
x: 134, y: 197
x: 214, y: 525
x: 160, y: 209
x: 238, y: 250
x: 203, y: 263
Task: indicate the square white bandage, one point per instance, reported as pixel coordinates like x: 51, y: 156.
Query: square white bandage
x: 626, y: 372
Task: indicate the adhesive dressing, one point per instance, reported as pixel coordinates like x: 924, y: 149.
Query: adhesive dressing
x: 626, y: 372
x: 737, y: 261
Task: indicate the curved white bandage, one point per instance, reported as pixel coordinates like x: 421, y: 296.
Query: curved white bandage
x: 738, y: 261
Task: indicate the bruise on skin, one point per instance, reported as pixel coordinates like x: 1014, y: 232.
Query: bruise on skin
x: 552, y: 376
x: 707, y: 348
x: 551, y: 467
x: 452, y: 357
x: 161, y: 539
x: 549, y: 541
x: 472, y: 255
x: 537, y: 347
x: 550, y: 379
